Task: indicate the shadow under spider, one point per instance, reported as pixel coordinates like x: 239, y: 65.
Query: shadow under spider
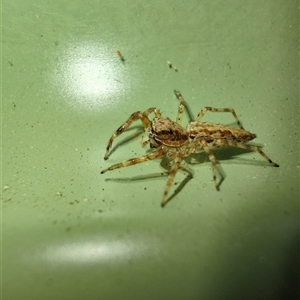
x: 223, y: 154
x: 226, y: 154
x: 165, y: 164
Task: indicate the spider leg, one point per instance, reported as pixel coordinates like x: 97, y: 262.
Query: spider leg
x: 180, y: 107
x: 172, y: 173
x: 134, y: 117
x: 213, y: 160
x: 212, y: 109
x: 133, y: 161
x: 255, y: 149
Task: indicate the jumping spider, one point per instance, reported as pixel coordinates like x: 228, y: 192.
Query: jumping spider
x: 169, y: 138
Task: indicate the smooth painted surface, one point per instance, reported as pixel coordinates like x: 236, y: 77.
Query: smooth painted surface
x: 69, y: 232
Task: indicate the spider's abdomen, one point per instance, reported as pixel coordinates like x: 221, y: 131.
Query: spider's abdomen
x: 217, y: 134
x: 168, y: 133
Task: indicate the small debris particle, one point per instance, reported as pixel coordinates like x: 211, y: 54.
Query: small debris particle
x: 120, y: 55
x: 171, y: 66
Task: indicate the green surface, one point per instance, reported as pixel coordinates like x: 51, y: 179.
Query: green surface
x: 69, y: 232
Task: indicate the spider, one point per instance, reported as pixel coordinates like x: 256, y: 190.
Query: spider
x: 169, y: 138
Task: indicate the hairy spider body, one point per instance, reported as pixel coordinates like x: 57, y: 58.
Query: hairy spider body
x: 169, y: 138
x: 168, y: 133
x: 217, y: 135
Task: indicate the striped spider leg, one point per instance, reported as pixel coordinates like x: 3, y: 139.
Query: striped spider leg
x: 134, y: 117
x: 147, y: 126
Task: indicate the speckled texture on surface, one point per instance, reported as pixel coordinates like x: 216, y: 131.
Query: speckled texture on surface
x: 69, y: 232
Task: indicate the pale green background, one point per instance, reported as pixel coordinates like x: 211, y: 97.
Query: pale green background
x: 67, y: 232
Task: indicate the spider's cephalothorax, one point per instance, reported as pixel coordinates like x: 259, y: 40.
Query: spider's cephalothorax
x: 168, y: 133
x: 169, y: 138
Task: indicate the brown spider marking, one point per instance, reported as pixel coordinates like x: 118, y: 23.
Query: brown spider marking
x: 169, y: 138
